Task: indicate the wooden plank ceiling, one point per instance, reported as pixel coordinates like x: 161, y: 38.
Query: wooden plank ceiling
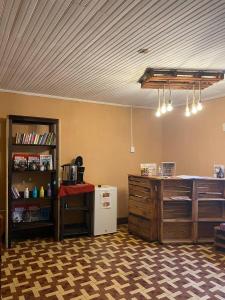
x: 88, y: 49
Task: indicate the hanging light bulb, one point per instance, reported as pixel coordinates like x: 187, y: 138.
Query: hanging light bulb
x: 187, y: 110
x: 169, y: 104
x: 194, y: 107
x: 199, y: 104
x: 163, y: 108
x: 158, y: 112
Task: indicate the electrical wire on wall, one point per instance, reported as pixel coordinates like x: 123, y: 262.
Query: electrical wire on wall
x: 132, y: 148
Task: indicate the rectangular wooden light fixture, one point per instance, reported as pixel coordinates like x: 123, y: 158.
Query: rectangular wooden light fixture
x: 179, y: 79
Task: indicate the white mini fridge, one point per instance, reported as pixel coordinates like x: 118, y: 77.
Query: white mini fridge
x: 105, y: 209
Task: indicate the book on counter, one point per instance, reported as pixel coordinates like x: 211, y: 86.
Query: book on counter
x: 33, y: 138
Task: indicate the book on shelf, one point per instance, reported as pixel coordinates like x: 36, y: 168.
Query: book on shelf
x: 33, y: 162
x: 222, y: 226
x: 33, y: 138
x: 30, y: 213
x: 34, y: 213
x: 20, y: 162
x: 46, y: 162
x: 15, y: 192
x: 17, y: 214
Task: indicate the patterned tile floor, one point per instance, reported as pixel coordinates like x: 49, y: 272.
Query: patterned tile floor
x: 117, y: 266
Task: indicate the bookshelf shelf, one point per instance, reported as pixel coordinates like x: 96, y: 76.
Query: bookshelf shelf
x: 211, y: 220
x: 14, y: 145
x: 42, y: 202
x: 177, y: 220
x: 31, y: 225
x: 75, y: 229
x: 20, y: 132
x: 211, y: 199
x: 36, y: 171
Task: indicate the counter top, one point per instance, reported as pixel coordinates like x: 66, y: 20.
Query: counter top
x: 178, y: 177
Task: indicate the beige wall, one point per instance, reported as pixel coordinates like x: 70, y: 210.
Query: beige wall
x: 100, y: 133
x: 197, y: 142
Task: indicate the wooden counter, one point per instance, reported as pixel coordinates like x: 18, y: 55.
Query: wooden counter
x: 175, y: 210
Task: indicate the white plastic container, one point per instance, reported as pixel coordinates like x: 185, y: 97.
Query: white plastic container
x: 105, y: 210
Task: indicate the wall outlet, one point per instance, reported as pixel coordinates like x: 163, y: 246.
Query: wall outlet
x: 223, y: 126
x: 132, y: 149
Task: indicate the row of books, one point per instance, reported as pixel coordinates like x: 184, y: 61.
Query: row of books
x: 30, y: 213
x: 35, y: 138
x: 32, y: 162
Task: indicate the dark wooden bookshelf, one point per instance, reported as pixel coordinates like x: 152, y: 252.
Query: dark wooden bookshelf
x: 15, y: 230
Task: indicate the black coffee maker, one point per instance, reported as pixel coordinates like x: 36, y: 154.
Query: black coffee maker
x: 73, y: 172
x: 78, y: 161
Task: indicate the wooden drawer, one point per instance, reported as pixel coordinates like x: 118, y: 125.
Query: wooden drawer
x: 177, y: 232
x: 140, y: 181
x: 142, y: 227
x: 210, y: 189
x: 140, y: 191
x: 140, y: 206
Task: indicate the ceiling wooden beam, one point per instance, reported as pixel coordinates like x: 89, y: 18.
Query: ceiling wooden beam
x: 179, y: 79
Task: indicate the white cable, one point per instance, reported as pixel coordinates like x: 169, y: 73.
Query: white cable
x: 131, y: 127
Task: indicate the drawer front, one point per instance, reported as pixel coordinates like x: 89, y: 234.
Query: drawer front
x: 142, y: 227
x: 140, y: 191
x: 140, y: 181
x: 140, y: 206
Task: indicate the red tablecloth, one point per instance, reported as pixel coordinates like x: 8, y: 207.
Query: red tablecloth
x: 69, y: 190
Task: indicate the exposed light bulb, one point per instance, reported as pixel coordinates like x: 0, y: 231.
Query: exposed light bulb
x: 194, y: 108
x: 169, y: 107
x: 158, y: 113
x: 199, y: 106
x: 163, y: 108
x: 187, y: 113
x: 187, y: 110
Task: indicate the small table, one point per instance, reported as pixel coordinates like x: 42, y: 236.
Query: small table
x: 76, y: 209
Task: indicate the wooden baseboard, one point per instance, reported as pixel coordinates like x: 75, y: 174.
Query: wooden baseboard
x: 122, y: 221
